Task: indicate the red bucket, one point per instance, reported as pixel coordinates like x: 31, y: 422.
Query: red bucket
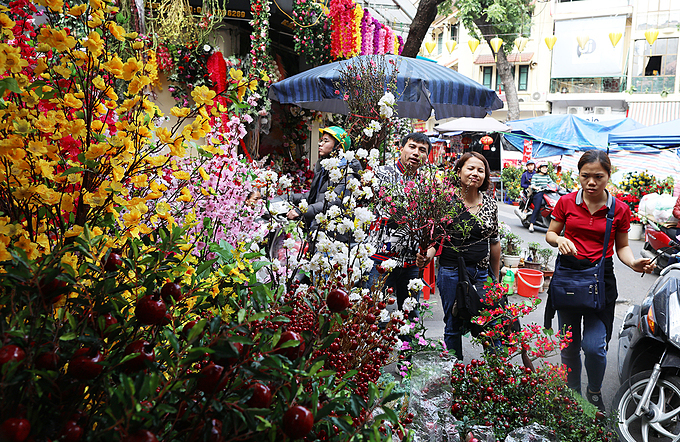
x: 529, y: 282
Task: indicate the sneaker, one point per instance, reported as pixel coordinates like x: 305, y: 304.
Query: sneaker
x: 531, y: 228
x: 595, y: 399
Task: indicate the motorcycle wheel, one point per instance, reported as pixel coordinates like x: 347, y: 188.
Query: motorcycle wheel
x: 665, y: 404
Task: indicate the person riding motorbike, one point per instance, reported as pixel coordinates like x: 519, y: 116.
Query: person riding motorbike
x: 525, y: 182
x: 539, y: 183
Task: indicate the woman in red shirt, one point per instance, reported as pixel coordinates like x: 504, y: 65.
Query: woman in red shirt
x: 582, y: 216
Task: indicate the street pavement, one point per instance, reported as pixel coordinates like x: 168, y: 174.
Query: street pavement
x: 632, y: 290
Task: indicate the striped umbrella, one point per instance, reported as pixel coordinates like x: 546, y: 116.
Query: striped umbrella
x: 422, y: 87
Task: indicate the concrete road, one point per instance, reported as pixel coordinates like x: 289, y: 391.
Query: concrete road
x: 632, y: 290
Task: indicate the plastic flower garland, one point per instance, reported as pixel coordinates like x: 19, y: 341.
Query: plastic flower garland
x: 259, y: 39
x: 342, y: 39
x: 312, y: 36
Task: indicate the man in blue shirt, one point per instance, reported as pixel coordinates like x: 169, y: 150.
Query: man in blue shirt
x: 525, y: 182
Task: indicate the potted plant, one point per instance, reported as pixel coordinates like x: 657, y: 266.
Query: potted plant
x: 511, y: 245
x: 532, y: 261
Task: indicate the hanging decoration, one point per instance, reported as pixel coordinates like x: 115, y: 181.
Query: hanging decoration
x: 451, y: 45
x: 614, y: 37
x: 582, y: 41
x: 342, y: 37
x: 496, y: 44
x: 312, y: 33
x: 651, y: 35
x: 486, y: 141
x: 520, y: 44
x: 429, y: 46
x: 550, y: 42
x: 259, y: 41
x: 473, y: 43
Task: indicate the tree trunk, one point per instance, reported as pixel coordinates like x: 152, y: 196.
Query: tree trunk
x: 504, y: 69
x: 425, y: 15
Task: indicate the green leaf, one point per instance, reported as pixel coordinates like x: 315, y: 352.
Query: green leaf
x: 196, y: 330
x: 317, y: 365
x: 9, y: 83
x: 68, y: 336
x: 205, y: 266
x: 172, y: 338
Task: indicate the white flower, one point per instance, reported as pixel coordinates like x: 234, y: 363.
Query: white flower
x: 389, y: 264
x: 386, y: 111
x: 333, y: 212
x: 349, y: 156
x: 384, y: 315
x: 405, y: 329
x: 410, y: 304
x: 335, y: 175
x: 416, y: 284
x: 285, y: 182
x: 330, y: 195
x: 330, y: 163
x: 320, y: 218
x: 207, y: 48
x: 362, y: 153
x: 303, y: 206
x: 368, y: 192
x: 359, y: 235
x: 355, y: 296
x: 345, y: 226
x: 270, y: 176
x: 367, y: 176
x: 302, y: 289
x: 398, y: 315
x: 288, y: 243
x: 364, y: 215
x: 387, y: 99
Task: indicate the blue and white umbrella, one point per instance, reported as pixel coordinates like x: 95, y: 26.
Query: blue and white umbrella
x: 422, y: 86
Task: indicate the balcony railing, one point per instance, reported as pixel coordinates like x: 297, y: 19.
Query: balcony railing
x: 587, y: 85
x: 653, y: 85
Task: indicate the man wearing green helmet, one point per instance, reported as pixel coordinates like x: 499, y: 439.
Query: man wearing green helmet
x: 333, y: 139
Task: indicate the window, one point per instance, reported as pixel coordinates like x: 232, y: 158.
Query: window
x: 454, y: 32
x: 440, y: 42
x: 654, y: 66
x: 523, y: 80
x: 499, y: 82
x: 487, y: 74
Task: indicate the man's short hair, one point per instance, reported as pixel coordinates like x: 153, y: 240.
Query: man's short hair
x: 417, y: 137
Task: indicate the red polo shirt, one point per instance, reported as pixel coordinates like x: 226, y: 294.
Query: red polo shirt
x: 586, y: 231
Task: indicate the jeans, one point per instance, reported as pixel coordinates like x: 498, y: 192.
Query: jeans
x: 593, y: 341
x: 447, y: 280
x: 398, y: 279
x: 538, y: 201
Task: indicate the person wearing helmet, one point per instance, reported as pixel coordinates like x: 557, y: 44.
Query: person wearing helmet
x: 525, y: 182
x: 333, y: 140
x: 539, y: 183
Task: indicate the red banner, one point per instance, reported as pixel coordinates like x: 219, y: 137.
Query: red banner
x: 526, y: 156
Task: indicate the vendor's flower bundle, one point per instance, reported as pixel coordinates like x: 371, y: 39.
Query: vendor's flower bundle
x: 635, y: 185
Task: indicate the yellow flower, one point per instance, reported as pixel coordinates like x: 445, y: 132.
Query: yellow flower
x: 181, y: 175
x: 203, y: 173
x: 94, y: 43
x: 130, y: 68
x: 132, y: 218
x: 57, y: 39
x: 180, y: 112
x: 21, y: 126
x: 29, y: 247
x: 77, y: 10
x: 164, y: 135
x: 4, y: 254
x: 54, y: 5
x: 186, y: 195
x: 203, y: 95
x: 71, y: 101
x: 114, y: 66
x: 177, y: 147
x: 15, y: 63
x: 117, y: 31
x: 69, y: 259
x: 6, y: 22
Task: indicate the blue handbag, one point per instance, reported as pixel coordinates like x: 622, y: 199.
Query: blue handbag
x: 581, y: 289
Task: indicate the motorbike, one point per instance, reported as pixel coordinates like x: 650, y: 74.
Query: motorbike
x: 526, y: 206
x: 658, y: 245
x: 648, y: 402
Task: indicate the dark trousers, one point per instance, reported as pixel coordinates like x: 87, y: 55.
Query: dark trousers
x: 538, y: 201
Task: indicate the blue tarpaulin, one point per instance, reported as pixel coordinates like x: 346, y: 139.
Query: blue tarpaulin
x: 661, y: 135
x: 565, y: 134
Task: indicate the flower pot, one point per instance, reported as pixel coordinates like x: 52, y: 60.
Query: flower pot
x: 635, y: 232
x: 510, y: 260
x: 532, y: 265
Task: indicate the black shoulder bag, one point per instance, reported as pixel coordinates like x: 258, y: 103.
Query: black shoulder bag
x: 581, y: 289
x: 469, y: 298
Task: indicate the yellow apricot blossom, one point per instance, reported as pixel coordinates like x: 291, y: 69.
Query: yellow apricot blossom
x: 4, y: 254
x: 132, y: 218
x: 54, y: 5
x: 71, y: 101
x: 94, y: 44
x: 115, y: 30
x: 202, y: 95
x: 180, y: 112
x: 77, y: 10
x: 181, y: 175
x: 186, y: 195
x: 114, y: 66
x: 28, y: 246
x: 130, y: 68
x: 57, y: 39
x: 6, y: 22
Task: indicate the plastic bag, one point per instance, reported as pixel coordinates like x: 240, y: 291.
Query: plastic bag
x: 647, y: 205
x: 533, y: 433
x: 430, y: 400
